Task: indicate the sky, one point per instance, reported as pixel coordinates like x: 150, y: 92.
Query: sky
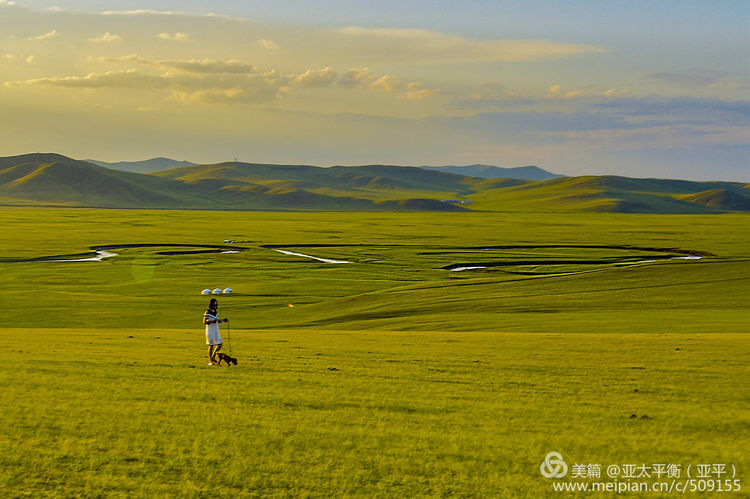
x: 633, y: 88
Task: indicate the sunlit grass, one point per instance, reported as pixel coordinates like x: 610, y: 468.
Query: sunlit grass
x: 138, y: 413
x: 397, y: 278
x: 390, y: 376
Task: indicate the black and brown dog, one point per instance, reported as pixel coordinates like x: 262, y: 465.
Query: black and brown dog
x: 226, y: 358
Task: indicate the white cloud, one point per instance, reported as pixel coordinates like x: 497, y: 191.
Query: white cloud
x: 29, y: 59
x: 200, y: 66
x: 143, y: 12
x: 613, y: 92
x: 573, y: 94
x: 414, y: 91
x: 269, y: 44
x: 364, y: 78
x: 357, y: 77
x: 207, y: 88
x: 315, y: 78
x: 124, y: 58
x: 150, y: 12
x: 254, y: 88
x: 176, y: 37
x: 556, y: 92
x: 423, y: 46
x: 387, y: 83
x: 209, y: 66
x: 46, y: 36
x: 111, y: 79
x: 212, y: 95
x: 216, y: 80
x: 106, y: 38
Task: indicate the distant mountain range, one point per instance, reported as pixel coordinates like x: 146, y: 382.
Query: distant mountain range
x: 147, y: 166
x: 56, y: 180
x: 487, y: 171
x: 480, y: 171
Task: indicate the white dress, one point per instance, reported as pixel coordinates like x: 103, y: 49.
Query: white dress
x: 212, y: 330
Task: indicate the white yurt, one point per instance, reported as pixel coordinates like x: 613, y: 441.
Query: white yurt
x: 217, y: 291
x: 206, y: 292
x: 227, y: 291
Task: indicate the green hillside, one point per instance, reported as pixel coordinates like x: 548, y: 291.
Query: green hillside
x: 52, y: 179
x: 374, y: 182
x: 57, y: 179
x: 615, y: 194
x: 737, y: 199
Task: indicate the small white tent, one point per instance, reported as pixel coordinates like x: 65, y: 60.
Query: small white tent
x: 227, y: 291
x: 206, y: 292
x: 217, y: 291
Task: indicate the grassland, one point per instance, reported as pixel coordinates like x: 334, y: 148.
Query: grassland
x: 135, y: 413
x: 396, y: 280
x: 391, y: 376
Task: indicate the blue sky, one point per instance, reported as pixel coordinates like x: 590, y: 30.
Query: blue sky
x: 649, y: 89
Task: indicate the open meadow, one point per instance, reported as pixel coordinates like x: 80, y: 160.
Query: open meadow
x: 447, y: 357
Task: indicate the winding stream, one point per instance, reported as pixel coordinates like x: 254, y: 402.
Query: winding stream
x: 525, y: 259
x: 102, y: 252
x: 324, y: 260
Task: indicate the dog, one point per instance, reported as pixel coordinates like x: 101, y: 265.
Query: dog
x: 226, y: 358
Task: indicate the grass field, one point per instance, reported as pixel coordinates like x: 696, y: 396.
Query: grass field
x: 136, y: 413
x: 396, y: 279
x: 391, y: 376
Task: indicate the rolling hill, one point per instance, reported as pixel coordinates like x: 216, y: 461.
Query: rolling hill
x: 375, y: 182
x: 722, y: 199
x: 56, y: 179
x: 617, y: 194
x: 52, y: 179
x: 480, y: 171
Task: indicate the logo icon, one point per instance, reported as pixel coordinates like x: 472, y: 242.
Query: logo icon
x: 553, y: 466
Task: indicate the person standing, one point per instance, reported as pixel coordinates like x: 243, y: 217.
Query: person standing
x: 213, y: 338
